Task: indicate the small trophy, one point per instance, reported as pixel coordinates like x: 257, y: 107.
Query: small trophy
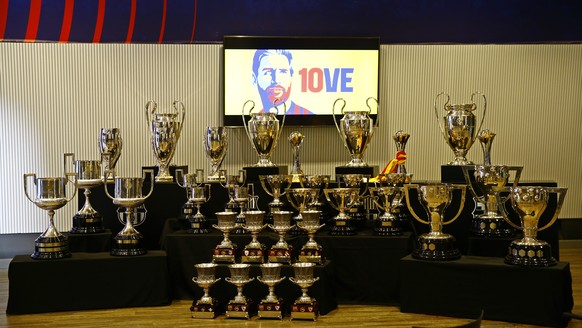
x: 281, y: 252
x: 198, y: 194
x: 305, y: 307
x: 357, y: 210
x: 263, y: 131
x: 317, y: 183
x: 530, y: 202
x: 341, y: 199
x: 386, y: 224
x: 435, y: 245
x: 165, y: 132
x: 242, y: 196
x: 486, y: 138
x: 241, y: 306
x: 275, y: 186
x: 300, y: 199
x: 397, y: 181
x: 110, y: 144
x: 271, y: 306
x: 225, y: 252
x: 459, y: 126
x: 215, y: 147
x: 230, y: 182
x: 205, y: 307
x: 311, y: 252
x: 296, y: 139
x: 356, y: 129
x: 254, y: 252
x: 400, y: 139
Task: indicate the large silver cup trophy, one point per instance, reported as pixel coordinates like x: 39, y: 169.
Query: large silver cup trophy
x: 254, y: 251
x: 271, y: 306
x: 205, y: 307
x: 305, y: 307
x: 226, y: 251
x: 198, y: 194
x: 241, y: 306
x: 356, y: 129
x: 128, y: 194
x: 263, y: 130
x: 165, y: 129
x: 530, y: 202
x: 281, y: 251
x: 110, y: 145
x: 459, y: 126
x: 215, y: 147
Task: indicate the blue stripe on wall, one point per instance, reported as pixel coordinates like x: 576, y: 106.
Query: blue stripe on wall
x: 116, y: 21
x: 84, y: 19
x: 17, y: 20
x: 179, y: 21
x: 148, y: 21
x: 51, y: 19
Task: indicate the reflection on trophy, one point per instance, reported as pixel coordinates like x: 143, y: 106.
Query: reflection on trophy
x: 530, y: 202
x: 205, y: 307
x: 317, y: 183
x: 396, y: 180
x: 128, y: 194
x: 275, y: 186
x: 242, y: 196
x: 295, y: 139
x: 355, y: 128
x: 50, y: 195
x: 215, y: 147
x: 386, y: 224
x: 305, y: 307
x: 491, y: 180
x: 241, y: 306
x: 300, y: 199
x: 311, y: 252
x: 198, y: 194
x: 400, y: 138
x: 357, y: 209
x: 165, y: 131
x: 263, y: 131
x: 230, y: 182
x: 459, y: 126
x: 281, y: 252
x: 341, y: 199
x: 435, y: 245
x: 110, y: 144
x: 271, y: 306
x: 486, y: 138
x: 254, y: 252
x: 225, y: 252
x: 87, y: 219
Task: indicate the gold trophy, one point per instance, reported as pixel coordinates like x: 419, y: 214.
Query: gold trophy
x: 386, y: 223
x: 205, y: 307
x: 215, y: 147
x: 225, y: 252
x: 300, y: 198
x: 296, y: 139
x: 356, y: 129
x: 254, y: 252
x: 110, y: 145
x: 241, y: 306
x: 305, y: 307
x: 271, y: 306
x: 311, y: 252
x: 263, y: 131
x: 486, y: 139
x: 197, y: 194
x: 281, y: 252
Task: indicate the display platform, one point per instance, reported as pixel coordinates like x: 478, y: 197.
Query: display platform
x: 90, y: 242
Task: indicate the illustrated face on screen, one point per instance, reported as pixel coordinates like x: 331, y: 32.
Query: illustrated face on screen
x: 272, y: 75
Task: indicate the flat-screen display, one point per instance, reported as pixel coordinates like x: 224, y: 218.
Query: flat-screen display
x: 302, y: 76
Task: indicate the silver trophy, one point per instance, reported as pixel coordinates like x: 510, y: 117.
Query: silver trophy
x: 305, y: 307
x: 110, y: 145
x: 225, y: 252
x: 198, y: 194
x: 230, y: 182
x: 386, y: 223
x: 397, y: 217
x: 459, y: 125
x: 243, y: 196
x: 356, y: 129
x: 263, y: 131
x: 271, y: 306
x: 128, y: 194
x: 486, y: 138
x: 215, y: 147
x: 165, y: 129
x: 254, y: 252
x: 300, y: 199
x: 357, y: 210
x: 281, y: 251
x: 341, y: 199
x: 241, y: 306
x: 275, y: 186
x: 205, y: 307
x: 296, y: 139
x: 311, y: 252
x: 317, y: 183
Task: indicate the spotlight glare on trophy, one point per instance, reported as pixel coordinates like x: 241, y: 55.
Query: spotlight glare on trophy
x: 241, y: 306
x: 110, y: 145
x: 341, y: 199
x: 263, y: 131
x: 128, y: 194
x: 296, y: 139
x: 165, y: 129
x: 311, y: 252
x: 271, y: 306
x: 205, y: 307
x: 281, y: 251
x: 226, y: 251
x: 356, y: 129
x: 435, y: 245
x: 275, y: 186
x: 254, y: 252
x: 459, y: 126
x: 305, y: 307
x: 530, y: 202
x: 197, y: 194
x: 215, y: 147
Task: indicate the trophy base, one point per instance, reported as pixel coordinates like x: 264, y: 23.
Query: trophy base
x: 240, y: 310
x: 491, y: 228
x: 270, y: 310
x: 51, y: 248
x: 224, y: 255
x: 204, y: 311
x: 87, y: 223
x: 342, y: 227
x: 439, y: 248
x: 387, y: 227
x: 537, y: 254
x: 198, y: 225
x: 253, y: 255
x: 280, y: 255
x: 358, y: 217
x: 305, y: 311
x: 311, y: 255
x: 128, y: 245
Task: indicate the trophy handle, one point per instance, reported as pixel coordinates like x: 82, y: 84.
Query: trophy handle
x: 182, y: 111
x: 244, y: 122
x: 243, y: 177
x: 26, y: 176
x: 284, y: 116
x: 106, y: 175
x: 292, y: 201
x: 516, y: 178
x: 469, y: 184
x: 71, y: 176
x: 369, y: 107
x: 561, y: 194
x: 415, y: 186
x: 65, y: 161
x: 262, y: 179
x: 150, y: 107
x: 208, y: 189
x: 335, y: 120
x: 221, y: 175
x: 461, y: 204
x: 375, y: 198
x: 484, y: 110
x: 441, y: 124
x: 329, y: 201
x: 283, y: 191
x: 151, y: 173
x: 180, y: 177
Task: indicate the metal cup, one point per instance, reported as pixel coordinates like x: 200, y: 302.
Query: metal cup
x: 281, y: 251
x: 215, y: 147
x: 254, y: 252
x: 225, y: 252
x: 311, y: 252
x: 205, y: 307
x: 271, y: 306
x: 341, y: 199
x: 305, y: 307
x: 198, y: 194
x: 110, y: 145
x: 241, y: 306
x: 356, y: 129
x: 263, y: 131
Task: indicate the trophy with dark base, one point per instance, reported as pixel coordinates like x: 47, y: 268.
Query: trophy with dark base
x: 241, y: 306
x: 296, y: 139
x: 311, y: 252
x: 398, y: 217
x: 226, y: 251
x: 356, y: 129
x: 205, y: 307
x: 435, y: 245
x: 281, y: 252
x: 341, y: 199
x: 197, y: 194
x: 317, y: 183
x: 254, y: 252
x: 305, y: 307
x: 275, y: 186
x: 271, y: 306
x: 386, y: 224
x: 357, y: 210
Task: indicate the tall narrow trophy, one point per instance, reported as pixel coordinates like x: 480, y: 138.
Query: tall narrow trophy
x: 110, y: 144
x: 486, y: 139
x: 165, y: 132
x: 50, y: 195
x: 205, y: 307
x: 435, y: 245
x: 226, y: 251
x: 198, y: 194
x: 254, y: 252
x: 356, y: 129
x: 128, y: 194
x: 271, y: 306
x: 241, y: 306
x: 311, y: 252
x: 386, y: 224
x: 341, y: 199
x: 281, y: 252
x: 400, y: 139
x: 263, y: 131
x: 296, y: 139
x: 215, y: 147
x: 305, y: 307
x: 459, y: 126
x: 530, y: 202
x: 275, y: 186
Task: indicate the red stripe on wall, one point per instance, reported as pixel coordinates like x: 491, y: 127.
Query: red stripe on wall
x: 33, y: 20
x: 67, y: 20
x: 161, y: 38
x: 194, y: 23
x: 131, y: 21
x: 99, y: 23
x: 3, y: 17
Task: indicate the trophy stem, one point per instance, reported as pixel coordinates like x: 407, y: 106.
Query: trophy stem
x: 436, y: 224
x: 87, y: 208
x: 530, y: 228
x: 51, y: 231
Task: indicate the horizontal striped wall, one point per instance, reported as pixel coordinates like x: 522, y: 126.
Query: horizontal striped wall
x: 54, y: 98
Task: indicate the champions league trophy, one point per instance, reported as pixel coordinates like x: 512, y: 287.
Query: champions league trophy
x: 240, y: 306
x: 198, y: 194
x: 355, y: 128
x: 311, y: 252
x: 486, y: 138
x: 205, y: 307
x: 271, y: 306
x: 110, y: 144
x: 225, y: 252
x: 530, y: 202
x: 215, y: 147
x: 341, y: 199
x: 165, y: 132
x: 128, y: 194
x: 435, y: 245
x: 281, y: 252
x: 296, y: 139
x: 305, y: 307
x: 254, y: 252
x: 275, y: 186
x: 263, y: 131
x: 459, y: 126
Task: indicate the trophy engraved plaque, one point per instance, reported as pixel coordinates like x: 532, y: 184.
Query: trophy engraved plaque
x: 341, y: 199
x: 281, y: 252
x: 241, y: 306
x: 305, y: 307
x: 295, y: 139
x: 271, y: 306
x: 311, y: 252
x: 205, y: 307
x: 263, y: 131
x: 226, y: 251
x: 486, y: 139
x: 254, y: 252
x: 110, y: 144
x: 275, y: 186
x: 215, y: 147
x: 356, y: 129
x: 197, y: 194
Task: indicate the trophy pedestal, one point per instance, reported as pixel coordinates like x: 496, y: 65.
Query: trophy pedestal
x: 204, y: 310
x: 387, y: 227
x: 253, y: 172
x: 253, y: 255
x: 436, y: 247
x: 358, y: 216
x: 87, y: 223
x: 240, y: 310
x: 198, y: 225
x: 280, y: 255
x: 372, y: 171
x: 305, y: 311
x: 454, y: 173
x: 224, y: 254
x: 270, y: 310
x: 128, y: 245
x: 311, y: 255
x: 342, y: 227
x: 50, y: 248
x: 172, y: 170
x: 531, y: 254
x: 491, y: 228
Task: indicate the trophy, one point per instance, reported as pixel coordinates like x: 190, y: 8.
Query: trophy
x: 400, y: 138
x: 281, y: 252
x: 341, y: 199
x: 110, y: 144
x: 317, y: 183
x: 87, y: 219
x: 242, y: 196
x: 486, y: 138
x: 397, y: 181
x: 275, y: 186
x: 491, y: 180
x: 230, y: 182
x: 355, y: 128
x: 263, y: 131
x: 311, y: 252
x: 254, y: 252
x: 530, y: 202
x: 300, y: 198
x: 305, y: 307
x: 198, y: 194
x: 357, y: 209
x: 435, y: 245
x: 50, y: 195
x: 128, y: 194
x: 225, y: 252
x: 165, y: 131
x: 205, y: 307
x: 215, y: 147
x: 386, y: 224
x: 295, y: 139
x: 271, y: 306
x: 240, y: 306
